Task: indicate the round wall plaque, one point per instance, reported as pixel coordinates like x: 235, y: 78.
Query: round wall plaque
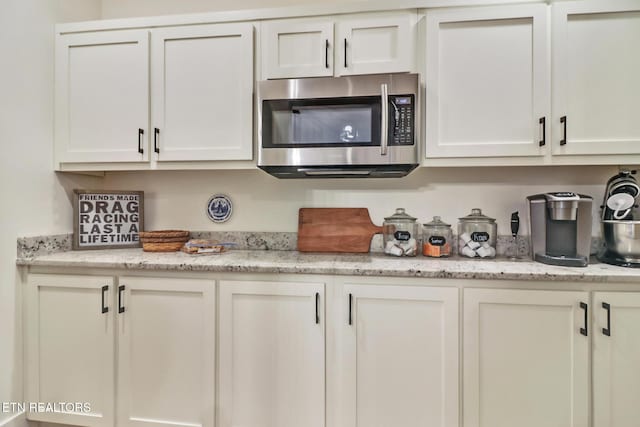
x: 219, y: 208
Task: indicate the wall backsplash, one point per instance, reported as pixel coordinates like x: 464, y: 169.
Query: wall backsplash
x: 177, y: 199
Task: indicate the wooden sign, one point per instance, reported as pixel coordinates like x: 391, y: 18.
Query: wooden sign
x: 107, y: 219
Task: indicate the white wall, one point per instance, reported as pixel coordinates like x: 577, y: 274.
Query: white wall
x: 177, y: 199
x: 34, y: 199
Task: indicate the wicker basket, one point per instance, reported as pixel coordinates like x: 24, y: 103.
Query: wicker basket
x: 163, y: 240
x: 164, y: 234
x: 162, y: 247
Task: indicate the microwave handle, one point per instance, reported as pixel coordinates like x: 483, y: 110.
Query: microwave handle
x: 384, y: 122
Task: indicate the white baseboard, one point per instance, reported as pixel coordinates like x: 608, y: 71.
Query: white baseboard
x: 15, y: 420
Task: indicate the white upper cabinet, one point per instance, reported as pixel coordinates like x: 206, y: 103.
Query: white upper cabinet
x: 616, y: 371
x: 596, y: 64
x: 297, y: 48
x: 487, y: 81
x: 514, y: 84
x: 344, y: 45
x: 375, y: 45
x: 201, y: 95
x: 102, y: 97
x: 202, y: 92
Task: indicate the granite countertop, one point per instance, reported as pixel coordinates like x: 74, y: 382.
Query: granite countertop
x: 261, y: 261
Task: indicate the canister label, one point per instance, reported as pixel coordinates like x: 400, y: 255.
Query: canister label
x: 480, y: 236
x: 437, y: 240
x: 402, y: 235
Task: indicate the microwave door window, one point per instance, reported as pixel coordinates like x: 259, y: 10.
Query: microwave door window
x: 301, y: 124
x: 281, y: 127
x: 342, y: 125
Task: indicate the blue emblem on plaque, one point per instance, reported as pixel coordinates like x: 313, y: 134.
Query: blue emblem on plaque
x: 219, y: 208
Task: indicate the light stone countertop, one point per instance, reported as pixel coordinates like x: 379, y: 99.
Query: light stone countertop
x: 260, y: 261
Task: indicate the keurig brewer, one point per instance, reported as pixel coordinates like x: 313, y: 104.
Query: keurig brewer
x: 560, y: 228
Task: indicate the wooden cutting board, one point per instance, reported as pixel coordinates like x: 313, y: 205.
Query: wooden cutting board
x: 335, y: 230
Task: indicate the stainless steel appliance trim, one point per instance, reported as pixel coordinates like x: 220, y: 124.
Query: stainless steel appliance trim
x: 583, y: 226
x: 384, y: 119
x: 336, y: 156
x: 333, y: 172
x: 351, y: 171
x: 337, y: 87
x: 622, y: 239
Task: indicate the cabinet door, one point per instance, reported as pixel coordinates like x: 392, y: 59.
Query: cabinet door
x: 166, y: 352
x: 297, y: 48
x: 595, y: 77
x: 271, y: 354
x: 375, y: 45
x: 525, y: 358
x: 102, y: 97
x: 400, y: 365
x: 70, y: 348
x: 202, y: 80
x: 487, y: 81
x: 616, y: 367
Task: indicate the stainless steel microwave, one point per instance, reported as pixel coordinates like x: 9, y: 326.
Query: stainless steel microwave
x: 356, y: 126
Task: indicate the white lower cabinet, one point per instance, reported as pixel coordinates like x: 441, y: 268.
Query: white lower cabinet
x: 525, y: 358
x: 272, y: 354
x: 70, y: 347
x: 166, y: 352
x: 400, y: 356
x: 327, y: 352
x: 616, y: 359
x: 164, y: 332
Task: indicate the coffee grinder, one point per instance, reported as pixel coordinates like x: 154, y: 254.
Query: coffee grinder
x: 560, y: 228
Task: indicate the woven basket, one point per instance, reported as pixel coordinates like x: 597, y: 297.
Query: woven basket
x: 163, y: 240
x: 162, y: 247
x: 164, y: 234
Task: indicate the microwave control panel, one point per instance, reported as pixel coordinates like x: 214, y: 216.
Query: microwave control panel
x: 402, y: 127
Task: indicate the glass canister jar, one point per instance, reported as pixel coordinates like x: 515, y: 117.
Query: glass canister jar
x: 477, y: 234
x: 400, y: 233
x: 436, y: 238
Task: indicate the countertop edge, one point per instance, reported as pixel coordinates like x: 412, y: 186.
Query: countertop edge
x: 292, y: 262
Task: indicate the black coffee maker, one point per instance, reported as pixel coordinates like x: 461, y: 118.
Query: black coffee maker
x: 560, y: 228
